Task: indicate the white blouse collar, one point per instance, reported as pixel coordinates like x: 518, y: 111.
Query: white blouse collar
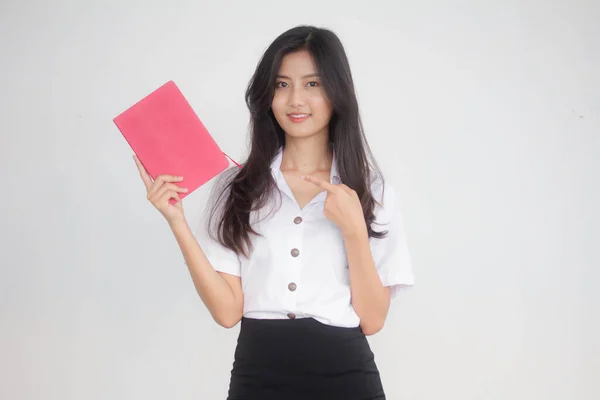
x: 334, y: 175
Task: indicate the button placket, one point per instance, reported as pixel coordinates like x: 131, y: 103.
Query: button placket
x: 295, y: 252
x: 295, y: 263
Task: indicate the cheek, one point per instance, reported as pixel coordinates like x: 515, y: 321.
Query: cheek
x: 278, y: 104
x: 320, y: 105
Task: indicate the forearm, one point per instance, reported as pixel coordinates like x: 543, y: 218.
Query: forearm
x: 369, y: 298
x: 214, y: 291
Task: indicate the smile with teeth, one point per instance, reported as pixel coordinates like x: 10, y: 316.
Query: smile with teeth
x: 298, y: 117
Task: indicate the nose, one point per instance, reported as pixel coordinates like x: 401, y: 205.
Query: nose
x: 296, y: 96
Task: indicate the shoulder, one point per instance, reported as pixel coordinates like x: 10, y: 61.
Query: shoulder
x: 218, y: 191
x: 384, y: 194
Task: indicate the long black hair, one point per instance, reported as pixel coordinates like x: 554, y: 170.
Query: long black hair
x: 249, y: 187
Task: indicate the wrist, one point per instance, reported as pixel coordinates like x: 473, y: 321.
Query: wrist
x: 178, y: 224
x: 356, y: 235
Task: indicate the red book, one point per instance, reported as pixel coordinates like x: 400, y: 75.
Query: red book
x: 168, y: 137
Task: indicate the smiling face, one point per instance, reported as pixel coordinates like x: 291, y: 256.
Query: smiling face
x: 299, y: 104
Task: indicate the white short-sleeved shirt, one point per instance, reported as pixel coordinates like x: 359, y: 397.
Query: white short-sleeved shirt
x: 298, y: 266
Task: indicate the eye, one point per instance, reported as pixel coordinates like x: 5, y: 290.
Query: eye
x: 280, y: 84
x: 313, y: 84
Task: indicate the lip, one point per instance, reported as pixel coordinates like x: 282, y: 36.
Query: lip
x: 298, y: 120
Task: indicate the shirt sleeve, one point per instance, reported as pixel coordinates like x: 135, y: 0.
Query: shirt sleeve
x: 391, y: 255
x: 221, y: 258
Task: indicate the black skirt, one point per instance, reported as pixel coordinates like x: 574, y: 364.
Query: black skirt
x: 302, y: 358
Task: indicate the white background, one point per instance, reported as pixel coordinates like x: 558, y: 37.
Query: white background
x: 484, y: 115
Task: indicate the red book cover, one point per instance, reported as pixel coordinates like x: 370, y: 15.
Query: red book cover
x: 168, y: 137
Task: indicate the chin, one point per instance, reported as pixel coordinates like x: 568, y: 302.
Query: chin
x: 298, y: 132
x: 295, y: 133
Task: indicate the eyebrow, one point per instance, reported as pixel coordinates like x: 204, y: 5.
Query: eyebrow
x: 304, y: 77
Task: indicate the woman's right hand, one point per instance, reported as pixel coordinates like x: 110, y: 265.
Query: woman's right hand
x: 161, y: 191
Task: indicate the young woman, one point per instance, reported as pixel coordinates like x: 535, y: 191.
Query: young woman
x: 303, y: 245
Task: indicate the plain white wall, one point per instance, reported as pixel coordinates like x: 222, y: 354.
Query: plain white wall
x: 484, y: 115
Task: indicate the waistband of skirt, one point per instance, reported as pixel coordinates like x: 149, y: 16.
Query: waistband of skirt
x: 305, y: 325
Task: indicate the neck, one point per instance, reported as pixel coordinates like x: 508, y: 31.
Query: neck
x: 307, y: 155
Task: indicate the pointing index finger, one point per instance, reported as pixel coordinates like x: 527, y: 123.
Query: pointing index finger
x: 319, y: 182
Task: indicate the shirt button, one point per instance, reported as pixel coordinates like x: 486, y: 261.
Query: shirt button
x: 295, y: 252
x: 291, y: 315
x: 292, y: 287
x: 297, y: 220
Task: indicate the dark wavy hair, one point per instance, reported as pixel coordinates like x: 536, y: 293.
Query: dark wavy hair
x: 248, y: 189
